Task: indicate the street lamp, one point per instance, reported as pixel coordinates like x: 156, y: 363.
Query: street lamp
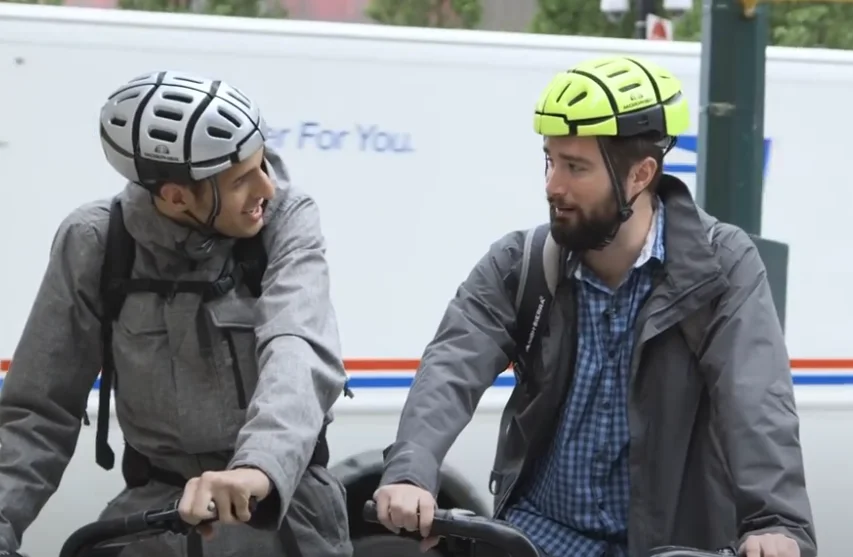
x: 614, y: 10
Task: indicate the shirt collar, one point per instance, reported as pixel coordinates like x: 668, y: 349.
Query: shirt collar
x: 654, y: 246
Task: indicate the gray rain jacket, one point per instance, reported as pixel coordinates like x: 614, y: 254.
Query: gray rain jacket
x: 714, y: 450
x: 177, y: 402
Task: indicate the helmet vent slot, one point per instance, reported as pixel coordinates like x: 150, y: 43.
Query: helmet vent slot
x: 240, y: 99
x: 173, y: 115
x: 230, y: 117
x: 219, y: 133
x: 128, y: 96
x: 163, y: 135
x: 178, y: 97
x: 188, y: 80
x: 578, y: 98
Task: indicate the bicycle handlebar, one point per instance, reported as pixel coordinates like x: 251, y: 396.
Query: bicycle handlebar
x: 156, y: 521
x: 464, y: 524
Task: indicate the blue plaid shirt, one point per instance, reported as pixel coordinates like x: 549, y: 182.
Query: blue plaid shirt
x: 579, y: 493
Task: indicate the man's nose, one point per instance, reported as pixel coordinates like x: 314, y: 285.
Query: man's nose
x: 554, y: 187
x: 266, y: 187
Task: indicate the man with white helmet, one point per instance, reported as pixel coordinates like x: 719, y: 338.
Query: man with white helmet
x: 202, y: 291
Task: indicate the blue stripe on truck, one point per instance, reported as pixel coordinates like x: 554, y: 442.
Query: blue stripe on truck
x: 379, y: 382
x: 361, y: 381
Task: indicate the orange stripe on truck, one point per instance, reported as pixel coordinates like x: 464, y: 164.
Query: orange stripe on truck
x: 386, y: 364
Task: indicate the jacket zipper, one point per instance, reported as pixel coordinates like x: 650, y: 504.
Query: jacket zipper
x: 235, y: 368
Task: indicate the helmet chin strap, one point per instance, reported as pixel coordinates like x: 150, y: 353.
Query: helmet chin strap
x: 206, y: 227
x: 624, y: 206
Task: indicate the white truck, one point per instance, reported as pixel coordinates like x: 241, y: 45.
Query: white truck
x: 418, y: 146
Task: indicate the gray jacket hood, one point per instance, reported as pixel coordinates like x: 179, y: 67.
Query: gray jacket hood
x: 172, y: 241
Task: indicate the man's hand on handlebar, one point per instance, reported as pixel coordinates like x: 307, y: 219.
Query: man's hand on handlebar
x: 777, y: 545
x: 409, y: 507
x: 224, y: 495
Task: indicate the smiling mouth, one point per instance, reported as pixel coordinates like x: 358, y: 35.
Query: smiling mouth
x: 256, y: 211
x: 561, y: 211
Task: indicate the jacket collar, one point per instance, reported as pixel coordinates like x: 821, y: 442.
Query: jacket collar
x: 163, y: 236
x: 172, y: 241
x: 690, y: 259
x: 691, y: 275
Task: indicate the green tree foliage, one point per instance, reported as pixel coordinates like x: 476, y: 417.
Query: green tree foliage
x: 792, y: 24
x: 243, y: 8
x: 45, y: 2
x: 583, y: 17
x: 426, y: 13
x: 823, y: 25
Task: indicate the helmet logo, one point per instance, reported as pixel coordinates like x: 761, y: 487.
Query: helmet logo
x: 162, y: 153
x: 635, y: 100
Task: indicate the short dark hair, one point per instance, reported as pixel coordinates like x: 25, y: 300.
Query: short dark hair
x: 195, y: 187
x: 625, y: 152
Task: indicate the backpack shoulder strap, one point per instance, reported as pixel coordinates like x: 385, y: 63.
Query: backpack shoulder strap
x: 250, y: 261
x: 537, y: 283
x: 119, y: 254
x: 695, y: 326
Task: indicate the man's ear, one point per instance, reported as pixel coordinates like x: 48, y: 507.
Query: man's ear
x: 641, y: 175
x: 175, y: 195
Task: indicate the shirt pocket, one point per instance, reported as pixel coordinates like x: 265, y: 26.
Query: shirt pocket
x: 233, y: 320
x: 143, y: 360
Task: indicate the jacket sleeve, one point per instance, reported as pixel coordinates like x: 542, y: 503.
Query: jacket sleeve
x: 53, y: 368
x: 473, y: 345
x: 299, y: 354
x: 753, y: 397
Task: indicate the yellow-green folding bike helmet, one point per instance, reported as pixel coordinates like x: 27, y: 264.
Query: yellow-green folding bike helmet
x: 618, y: 97
x: 614, y: 96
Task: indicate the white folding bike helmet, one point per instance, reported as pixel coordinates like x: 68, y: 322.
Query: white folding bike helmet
x: 173, y: 127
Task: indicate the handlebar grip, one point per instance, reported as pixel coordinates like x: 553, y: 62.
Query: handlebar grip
x: 369, y: 515
x: 167, y: 519
x: 253, y: 504
x: 462, y: 524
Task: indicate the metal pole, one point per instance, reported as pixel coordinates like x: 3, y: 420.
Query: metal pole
x: 644, y: 8
x: 731, y: 121
x: 730, y: 168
